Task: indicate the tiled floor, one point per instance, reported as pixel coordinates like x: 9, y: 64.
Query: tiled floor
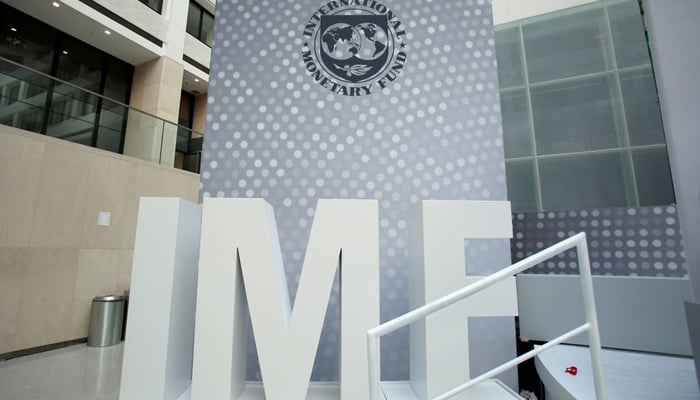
x: 92, y: 373
x: 72, y: 373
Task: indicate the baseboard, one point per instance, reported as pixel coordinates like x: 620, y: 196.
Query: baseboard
x: 40, y: 349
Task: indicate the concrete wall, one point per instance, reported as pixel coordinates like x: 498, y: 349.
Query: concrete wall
x: 140, y: 15
x: 54, y: 258
x: 156, y: 89
x: 199, y: 51
x: 673, y: 30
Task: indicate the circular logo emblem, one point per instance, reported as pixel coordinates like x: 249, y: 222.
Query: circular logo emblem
x: 354, y: 48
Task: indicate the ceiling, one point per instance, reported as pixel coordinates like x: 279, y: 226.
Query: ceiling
x: 121, y: 43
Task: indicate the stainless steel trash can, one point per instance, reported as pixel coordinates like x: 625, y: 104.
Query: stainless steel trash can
x: 106, y: 321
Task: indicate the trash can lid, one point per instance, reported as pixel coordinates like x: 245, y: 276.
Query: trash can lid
x: 109, y: 297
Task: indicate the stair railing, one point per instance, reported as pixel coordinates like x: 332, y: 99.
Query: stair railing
x: 591, y: 326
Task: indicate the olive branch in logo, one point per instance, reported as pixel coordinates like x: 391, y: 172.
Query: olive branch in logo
x: 357, y: 69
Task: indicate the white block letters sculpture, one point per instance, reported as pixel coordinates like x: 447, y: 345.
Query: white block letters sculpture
x: 440, y: 343
x: 158, y: 351
x: 241, y: 273
x: 240, y: 249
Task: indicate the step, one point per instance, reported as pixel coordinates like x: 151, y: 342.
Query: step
x: 489, y: 390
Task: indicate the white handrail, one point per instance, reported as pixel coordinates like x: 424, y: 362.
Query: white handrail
x: 591, y: 325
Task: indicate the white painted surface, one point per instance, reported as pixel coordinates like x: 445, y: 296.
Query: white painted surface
x: 505, y: 11
x: 439, y: 344
x: 629, y: 318
x: 103, y: 218
x: 629, y: 375
x: 158, y: 349
x: 199, y: 52
x: 491, y: 390
x: 175, y: 11
x: 218, y: 370
x: 673, y: 32
x: 240, y: 244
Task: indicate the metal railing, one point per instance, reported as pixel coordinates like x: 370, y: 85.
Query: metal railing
x: 37, y: 102
x: 591, y: 326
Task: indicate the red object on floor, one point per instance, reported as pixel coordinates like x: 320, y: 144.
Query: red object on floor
x: 571, y: 370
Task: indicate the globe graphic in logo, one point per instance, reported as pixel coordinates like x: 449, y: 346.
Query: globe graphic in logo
x: 354, y: 48
x: 366, y: 41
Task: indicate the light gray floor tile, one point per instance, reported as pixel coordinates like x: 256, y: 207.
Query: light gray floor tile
x: 73, y: 373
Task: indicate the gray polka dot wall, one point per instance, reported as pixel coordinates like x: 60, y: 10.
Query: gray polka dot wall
x: 433, y: 133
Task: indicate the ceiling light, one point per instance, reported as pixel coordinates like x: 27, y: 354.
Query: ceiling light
x: 65, y: 52
x: 196, y: 79
x: 107, y: 32
x: 13, y: 29
x: 56, y: 4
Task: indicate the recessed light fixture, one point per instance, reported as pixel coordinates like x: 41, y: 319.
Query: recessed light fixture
x: 65, y: 52
x: 56, y: 4
x: 107, y: 32
x: 13, y: 29
x: 196, y: 79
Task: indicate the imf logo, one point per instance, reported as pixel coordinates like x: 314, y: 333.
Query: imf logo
x: 351, y: 47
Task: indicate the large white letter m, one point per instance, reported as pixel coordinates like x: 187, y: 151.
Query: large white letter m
x: 241, y: 272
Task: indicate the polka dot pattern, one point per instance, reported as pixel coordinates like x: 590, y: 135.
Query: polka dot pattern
x: 642, y: 241
x: 434, y: 133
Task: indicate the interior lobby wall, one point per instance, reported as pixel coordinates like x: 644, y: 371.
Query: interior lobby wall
x: 54, y: 258
x: 434, y: 132
x: 673, y: 28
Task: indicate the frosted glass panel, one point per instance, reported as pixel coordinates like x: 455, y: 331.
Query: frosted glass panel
x: 568, y: 45
x: 511, y: 71
x: 642, y: 108
x: 578, y: 82
x: 516, y: 123
x: 575, y: 115
x: 522, y: 187
x: 653, y: 175
x: 628, y: 34
x: 585, y: 181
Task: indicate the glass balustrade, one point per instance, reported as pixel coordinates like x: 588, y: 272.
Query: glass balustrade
x: 36, y: 102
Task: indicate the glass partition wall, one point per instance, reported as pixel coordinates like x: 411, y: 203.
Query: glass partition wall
x: 581, y: 121
x: 73, y: 111
x: 31, y: 101
x: 53, y: 84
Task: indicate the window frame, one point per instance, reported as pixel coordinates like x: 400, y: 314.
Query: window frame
x: 159, y: 8
x: 200, y: 23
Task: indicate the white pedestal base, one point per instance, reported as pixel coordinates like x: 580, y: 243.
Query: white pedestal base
x: 629, y: 375
x: 489, y: 390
